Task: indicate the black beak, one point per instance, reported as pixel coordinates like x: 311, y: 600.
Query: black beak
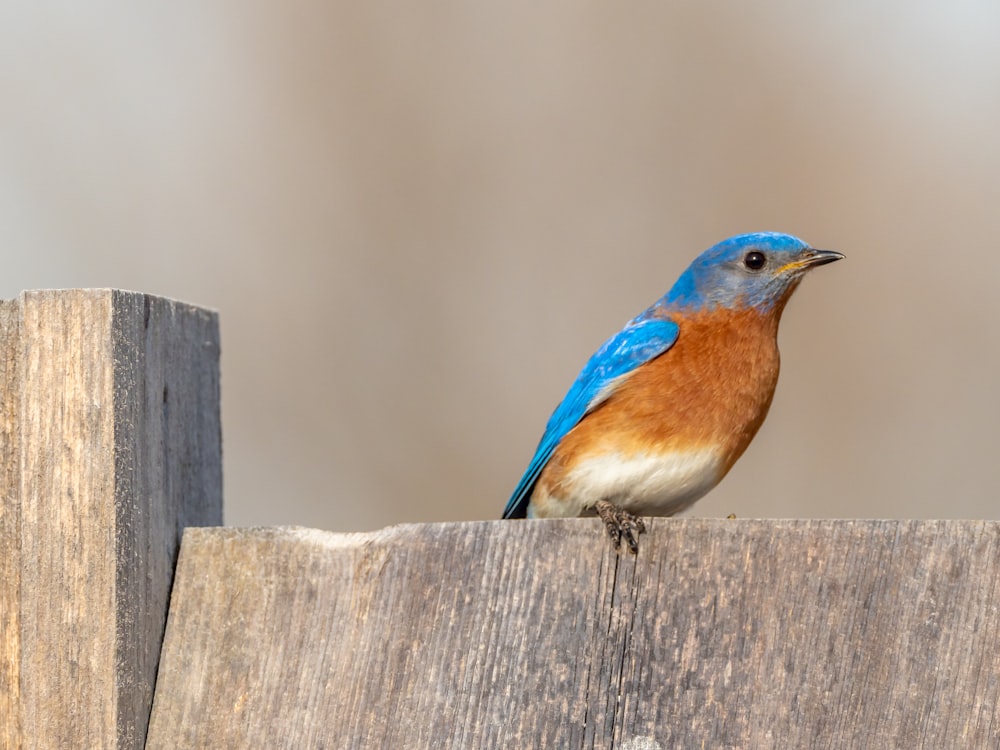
x: 821, y: 257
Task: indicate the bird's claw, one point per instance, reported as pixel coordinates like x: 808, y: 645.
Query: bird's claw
x: 621, y: 525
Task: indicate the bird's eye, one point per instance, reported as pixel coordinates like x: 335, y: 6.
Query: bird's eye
x: 754, y: 261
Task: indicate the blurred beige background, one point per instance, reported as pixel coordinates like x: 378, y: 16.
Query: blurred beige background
x: 417, y: 222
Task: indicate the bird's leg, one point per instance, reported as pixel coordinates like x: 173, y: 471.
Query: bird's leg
x: 620, y: 524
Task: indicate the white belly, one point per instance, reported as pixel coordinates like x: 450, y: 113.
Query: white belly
x: 645, y: 484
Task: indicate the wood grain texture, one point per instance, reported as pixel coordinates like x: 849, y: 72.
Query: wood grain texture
x: 535, y: 634
x: 111, y: 445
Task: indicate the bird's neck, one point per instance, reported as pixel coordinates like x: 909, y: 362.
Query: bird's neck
x: 756, y: 321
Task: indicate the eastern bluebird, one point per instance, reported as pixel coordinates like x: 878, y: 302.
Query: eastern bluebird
x: 661, y: 412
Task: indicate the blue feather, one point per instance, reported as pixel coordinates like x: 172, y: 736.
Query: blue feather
x: 644, y: 338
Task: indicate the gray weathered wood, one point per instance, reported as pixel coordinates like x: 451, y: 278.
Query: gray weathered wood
x: 110, y: 445
x: 534, y: 634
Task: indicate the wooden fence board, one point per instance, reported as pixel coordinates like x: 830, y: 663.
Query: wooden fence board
x: 535, y: 634
x: 111, y: 445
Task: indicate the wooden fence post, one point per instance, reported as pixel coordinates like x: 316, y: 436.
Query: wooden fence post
x: 110, y: 445
x: 525, y: 634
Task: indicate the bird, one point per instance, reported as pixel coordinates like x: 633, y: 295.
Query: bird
x: 664, y: 408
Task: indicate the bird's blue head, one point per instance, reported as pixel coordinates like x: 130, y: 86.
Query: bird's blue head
x: 757, y: 270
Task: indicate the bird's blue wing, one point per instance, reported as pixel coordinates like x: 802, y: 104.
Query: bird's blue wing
x: 641, y: 340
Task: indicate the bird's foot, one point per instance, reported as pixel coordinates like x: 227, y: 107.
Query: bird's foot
x: 620, y: 525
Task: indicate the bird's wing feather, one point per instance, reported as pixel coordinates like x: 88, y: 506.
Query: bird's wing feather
x: 639, y: 342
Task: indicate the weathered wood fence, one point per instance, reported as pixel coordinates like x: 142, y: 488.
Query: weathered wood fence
x: 719, y: 634
x: 110, y: 446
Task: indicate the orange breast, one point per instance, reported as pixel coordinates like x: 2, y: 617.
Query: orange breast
x: 712, y: 389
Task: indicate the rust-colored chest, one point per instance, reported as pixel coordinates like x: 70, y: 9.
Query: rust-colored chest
x: 712, y: 388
